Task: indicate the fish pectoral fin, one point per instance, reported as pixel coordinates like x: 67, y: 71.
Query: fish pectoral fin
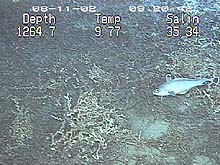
x: 172, y: 93
x: 183, y: 92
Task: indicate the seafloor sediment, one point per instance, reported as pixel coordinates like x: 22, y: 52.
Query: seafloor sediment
x: 78, y: 99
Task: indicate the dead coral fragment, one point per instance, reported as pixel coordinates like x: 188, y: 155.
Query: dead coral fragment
x: 98, y: 75
x: 22, y: 127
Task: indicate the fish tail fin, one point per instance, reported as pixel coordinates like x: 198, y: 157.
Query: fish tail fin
x: 214, y: 80
x: 208, y: 82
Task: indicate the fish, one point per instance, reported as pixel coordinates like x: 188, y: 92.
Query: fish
x: 181, y: 86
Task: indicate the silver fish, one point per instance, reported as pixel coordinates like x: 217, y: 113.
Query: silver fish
x: 172, y: 87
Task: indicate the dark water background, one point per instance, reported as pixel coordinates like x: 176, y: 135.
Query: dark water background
x: 39, y: 75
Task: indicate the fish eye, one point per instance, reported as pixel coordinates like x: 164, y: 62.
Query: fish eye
x: 157, y: 90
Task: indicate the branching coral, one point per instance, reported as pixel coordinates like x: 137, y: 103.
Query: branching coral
x: 89, y: 125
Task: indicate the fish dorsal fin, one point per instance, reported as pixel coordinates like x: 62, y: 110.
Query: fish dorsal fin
x: 168, y: 77
x: 180, y: 78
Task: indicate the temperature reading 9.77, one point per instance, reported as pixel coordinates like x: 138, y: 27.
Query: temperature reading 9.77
x: 112, y: 31
x: 109, y: 23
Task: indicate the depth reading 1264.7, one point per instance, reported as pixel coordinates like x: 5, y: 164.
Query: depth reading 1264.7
x: 32, y: 25
x: 33, y: 31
